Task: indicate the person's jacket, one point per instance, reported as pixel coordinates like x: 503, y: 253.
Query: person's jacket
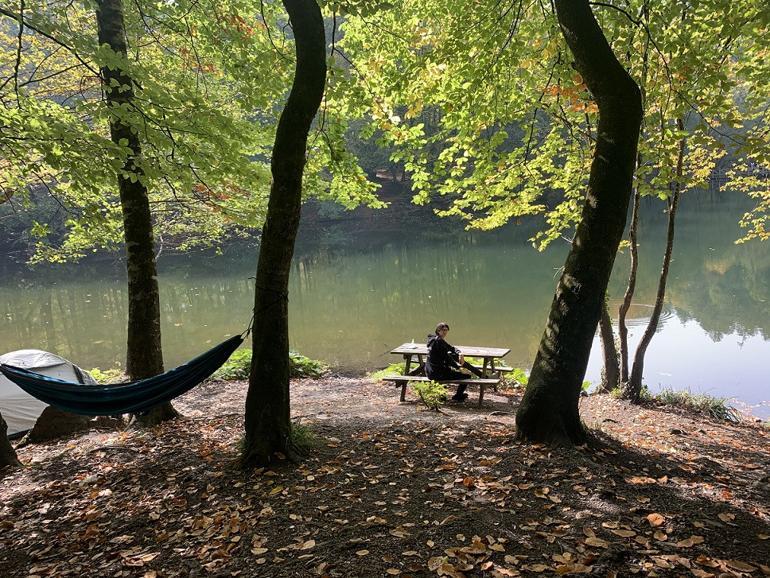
x: 441, y: 355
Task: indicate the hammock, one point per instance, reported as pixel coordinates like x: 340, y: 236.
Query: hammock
x: 131, y: 397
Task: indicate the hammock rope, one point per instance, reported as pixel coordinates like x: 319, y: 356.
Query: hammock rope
x: 129, y: 397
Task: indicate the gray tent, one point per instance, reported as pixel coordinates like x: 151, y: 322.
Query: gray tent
x: 20, y: 410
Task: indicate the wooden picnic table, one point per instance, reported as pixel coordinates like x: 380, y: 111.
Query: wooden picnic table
x: 488, y: 354
x: 488, y: 368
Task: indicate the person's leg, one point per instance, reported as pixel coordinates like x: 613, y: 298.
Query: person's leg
x: 474, y: 370
x: 460, y: 394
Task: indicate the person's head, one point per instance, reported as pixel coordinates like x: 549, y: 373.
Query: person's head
x: 442, y: 329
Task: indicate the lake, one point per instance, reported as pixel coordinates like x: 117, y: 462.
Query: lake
x: 355, y: 296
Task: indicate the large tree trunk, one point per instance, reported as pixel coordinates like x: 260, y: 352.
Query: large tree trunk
x: 609, y: 351
x: 549, y: 410
x: 267, y: 419
x: 144, y: 353
x: 7, y: 453
x: 633, y: 388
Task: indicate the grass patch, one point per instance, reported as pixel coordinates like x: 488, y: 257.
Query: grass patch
x: 716, y: 407
x: 239, y: 366
x: 303, y: 438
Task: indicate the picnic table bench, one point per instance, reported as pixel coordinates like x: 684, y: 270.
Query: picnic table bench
x: 489, y: 355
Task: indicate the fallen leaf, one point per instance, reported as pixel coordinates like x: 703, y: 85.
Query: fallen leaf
x: 726, y: 517
x: 362, y: 552
x: 742, y: 566
x: 655, y: 520
x: 307, y: 545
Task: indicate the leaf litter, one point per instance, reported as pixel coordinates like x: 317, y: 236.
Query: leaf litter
x: 391, y: 490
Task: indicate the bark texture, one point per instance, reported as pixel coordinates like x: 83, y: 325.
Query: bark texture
x: 144, y: 353
x: 267, y: 419
x: 633, y: 388
x: 549, y: 409
x: 609, y: 351
x: 7, y: 453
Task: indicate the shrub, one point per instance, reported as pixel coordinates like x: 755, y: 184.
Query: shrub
x: 392, y: 369
x: 520, y: 376
x: 239, y: 366
x: 432, y: 394
x: 106, y: 376
x: 301, y: 366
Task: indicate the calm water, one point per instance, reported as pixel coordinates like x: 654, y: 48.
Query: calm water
x: 352, y: 301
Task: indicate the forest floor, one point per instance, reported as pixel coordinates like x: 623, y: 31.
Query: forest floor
x: 390, y: 489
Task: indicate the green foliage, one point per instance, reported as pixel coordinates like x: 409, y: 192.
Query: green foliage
x: 520, y: 376
x: 432, y: 394
x: 482, y: 105
x: 585, y: 386
x: 235, y: 368
x: 239, y: 366
x: 392, y: 369
x: 716, y: 407
x: 104, y: 376
x: 301, y: 366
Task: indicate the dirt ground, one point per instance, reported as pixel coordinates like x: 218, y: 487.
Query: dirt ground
x: 390, y: 489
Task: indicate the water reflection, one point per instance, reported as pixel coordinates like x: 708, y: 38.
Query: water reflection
x: 351, y: 303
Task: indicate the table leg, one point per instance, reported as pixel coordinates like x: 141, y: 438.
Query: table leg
x: 493, y: 371
x: 407, y: 365
x: 481, y: 393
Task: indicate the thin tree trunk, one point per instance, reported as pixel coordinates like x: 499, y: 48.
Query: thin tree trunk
x: 7, y: 453
x: 609, y: 351
x: 267, y: 419
x: 144, y: 353
x: 549, y: 410
x: 633, y: 231
x: 634, y: 387
x: 628, y: 296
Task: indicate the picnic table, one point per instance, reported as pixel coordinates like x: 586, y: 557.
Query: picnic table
x: 417, y: 352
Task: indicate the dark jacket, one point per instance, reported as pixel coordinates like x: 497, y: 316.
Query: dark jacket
x: 442, y: 357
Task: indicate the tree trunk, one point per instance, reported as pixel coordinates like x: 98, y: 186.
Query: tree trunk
x: 609, y: 351
x: 144, y: 353
x: 549, y: 410
x: 7, y: 453
x: 630, y: 287
x: 633, y: 231
x: 633, y: 388
x: 267, y: 419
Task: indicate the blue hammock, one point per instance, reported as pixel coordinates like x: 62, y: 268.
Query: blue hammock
x: 131, y: 397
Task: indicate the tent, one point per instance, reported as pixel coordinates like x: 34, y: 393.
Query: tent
x: 20, y: 410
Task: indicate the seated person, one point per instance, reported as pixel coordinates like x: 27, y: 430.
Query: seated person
x: 444, y: 361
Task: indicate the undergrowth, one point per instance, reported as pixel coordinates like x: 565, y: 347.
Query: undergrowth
x: 432, y: 394
x: 239, y: 366
x: 715, y: 407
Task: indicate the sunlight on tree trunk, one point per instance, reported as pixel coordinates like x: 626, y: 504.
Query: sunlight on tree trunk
x: 549, y: 409
x: 144, y: 353
x: 268, y: 416
x: 611, y: 370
